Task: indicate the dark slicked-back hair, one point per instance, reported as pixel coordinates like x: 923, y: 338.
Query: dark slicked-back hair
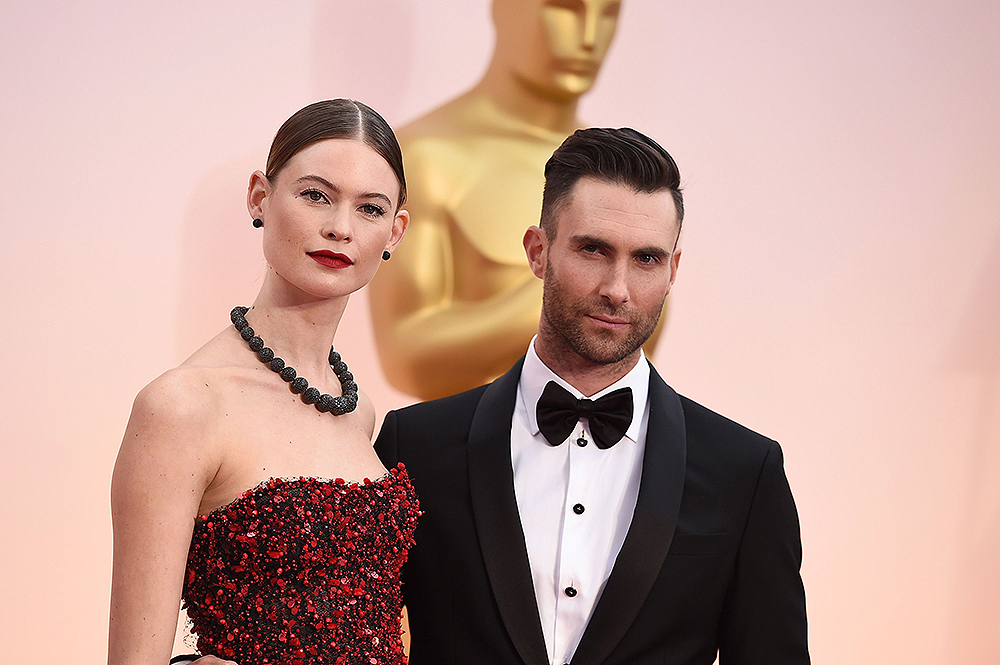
x: 336, y: 119
x: 617, y: 156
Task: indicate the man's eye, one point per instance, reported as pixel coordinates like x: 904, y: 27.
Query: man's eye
x: 648, y: 258
x: 590, y: 249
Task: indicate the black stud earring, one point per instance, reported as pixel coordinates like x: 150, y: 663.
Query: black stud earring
x: 257, y: 223
x: 385, y: 255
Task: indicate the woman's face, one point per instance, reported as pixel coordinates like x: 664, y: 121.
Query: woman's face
x: 328, y: 215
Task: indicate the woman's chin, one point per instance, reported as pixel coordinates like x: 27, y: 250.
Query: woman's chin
x: 312, y: 287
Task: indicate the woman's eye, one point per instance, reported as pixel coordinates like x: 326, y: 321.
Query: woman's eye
x: 372, y: 210
x: 314, y: 195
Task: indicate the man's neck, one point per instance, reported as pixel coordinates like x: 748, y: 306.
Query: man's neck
x: 587, y: 376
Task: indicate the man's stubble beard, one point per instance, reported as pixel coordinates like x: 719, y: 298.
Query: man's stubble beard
x: 566, y: 319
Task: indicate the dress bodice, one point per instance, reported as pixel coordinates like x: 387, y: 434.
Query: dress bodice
x: 303, y: 571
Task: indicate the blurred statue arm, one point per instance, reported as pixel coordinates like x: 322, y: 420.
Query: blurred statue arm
x: 160, y: 476
x: 431, y: 343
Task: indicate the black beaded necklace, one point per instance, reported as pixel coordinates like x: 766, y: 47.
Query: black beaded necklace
x: 324, y: 402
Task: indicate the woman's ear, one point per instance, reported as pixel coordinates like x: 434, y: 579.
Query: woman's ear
x: 399, y: 224
x: 257, y: 193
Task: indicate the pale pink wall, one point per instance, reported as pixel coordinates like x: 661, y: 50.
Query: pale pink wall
x: 840, y: 288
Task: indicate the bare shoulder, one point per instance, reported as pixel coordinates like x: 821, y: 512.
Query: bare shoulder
x: 169, y: 439
x: 178, y: 399
x: 189, y: 396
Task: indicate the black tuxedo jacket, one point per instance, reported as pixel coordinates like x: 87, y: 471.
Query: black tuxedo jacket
x: 710, y: 562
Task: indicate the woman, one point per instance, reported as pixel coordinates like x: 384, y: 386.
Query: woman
x: 228, y: 491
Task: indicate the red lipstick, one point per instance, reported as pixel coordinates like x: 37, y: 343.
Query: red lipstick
x: 331, y: 259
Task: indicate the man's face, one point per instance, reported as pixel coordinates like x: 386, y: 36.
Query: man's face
x: 609, y: 268
x: 555, y: 46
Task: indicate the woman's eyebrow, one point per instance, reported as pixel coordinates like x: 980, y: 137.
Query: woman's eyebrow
x: 323, y: 181
x: 375, y: 195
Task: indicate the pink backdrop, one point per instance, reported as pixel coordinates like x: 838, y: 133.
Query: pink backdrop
x: 840, y: 289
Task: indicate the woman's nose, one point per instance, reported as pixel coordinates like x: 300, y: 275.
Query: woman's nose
x: 338, y: 227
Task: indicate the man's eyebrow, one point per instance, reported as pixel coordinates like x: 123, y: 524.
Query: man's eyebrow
x: 651, y: 251
x: 591, y: 240
x: 329, y: 185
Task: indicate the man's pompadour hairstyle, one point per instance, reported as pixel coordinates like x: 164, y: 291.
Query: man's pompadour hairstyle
x: 618, y: 156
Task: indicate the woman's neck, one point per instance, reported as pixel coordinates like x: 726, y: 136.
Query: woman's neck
x: 298, y: 327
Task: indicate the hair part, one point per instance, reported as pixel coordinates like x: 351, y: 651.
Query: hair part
x: 616, y: 156
x: 336, y: 119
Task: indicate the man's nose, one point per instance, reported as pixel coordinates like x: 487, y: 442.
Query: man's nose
x: 614, y: 287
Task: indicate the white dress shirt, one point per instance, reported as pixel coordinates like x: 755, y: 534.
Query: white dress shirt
x: 575, y: 503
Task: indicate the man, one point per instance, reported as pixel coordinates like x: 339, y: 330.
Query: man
x: 577, y: 510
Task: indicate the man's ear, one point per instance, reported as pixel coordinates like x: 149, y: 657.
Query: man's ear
x: 536, y: 248
x: 257, y: 192
x: 675, y: 262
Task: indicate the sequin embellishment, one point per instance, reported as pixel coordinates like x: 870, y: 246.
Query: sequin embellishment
x: 303, y: 571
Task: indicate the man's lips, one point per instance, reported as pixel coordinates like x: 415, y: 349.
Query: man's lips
x: 608, y: 322
x: 331, y: 259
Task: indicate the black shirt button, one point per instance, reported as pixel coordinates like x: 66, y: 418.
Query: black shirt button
x: 578, y: 509
x: 570, y: 591
x: 581, y: 442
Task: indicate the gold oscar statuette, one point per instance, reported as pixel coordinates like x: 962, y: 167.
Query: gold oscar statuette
x: 456, y: 305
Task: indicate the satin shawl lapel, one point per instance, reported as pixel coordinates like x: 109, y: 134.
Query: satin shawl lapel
x: 497, y: 521
x: 651, y: 531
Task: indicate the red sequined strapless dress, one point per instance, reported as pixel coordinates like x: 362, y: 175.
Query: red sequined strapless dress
x: 303, y: 571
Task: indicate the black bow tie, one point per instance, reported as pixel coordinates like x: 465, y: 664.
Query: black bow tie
x: 558, y: 411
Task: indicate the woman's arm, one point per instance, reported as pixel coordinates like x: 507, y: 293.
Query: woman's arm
x: 165, y: 464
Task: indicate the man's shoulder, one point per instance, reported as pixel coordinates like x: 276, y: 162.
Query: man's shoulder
x: 701, y: 421
x: 720, y: 437
x: 702, y: 417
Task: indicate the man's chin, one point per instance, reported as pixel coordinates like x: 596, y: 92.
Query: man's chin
x: 605, y: 351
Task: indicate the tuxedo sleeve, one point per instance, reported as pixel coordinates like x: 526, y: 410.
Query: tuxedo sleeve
x: 386, y: 445
x: 764, y: 621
